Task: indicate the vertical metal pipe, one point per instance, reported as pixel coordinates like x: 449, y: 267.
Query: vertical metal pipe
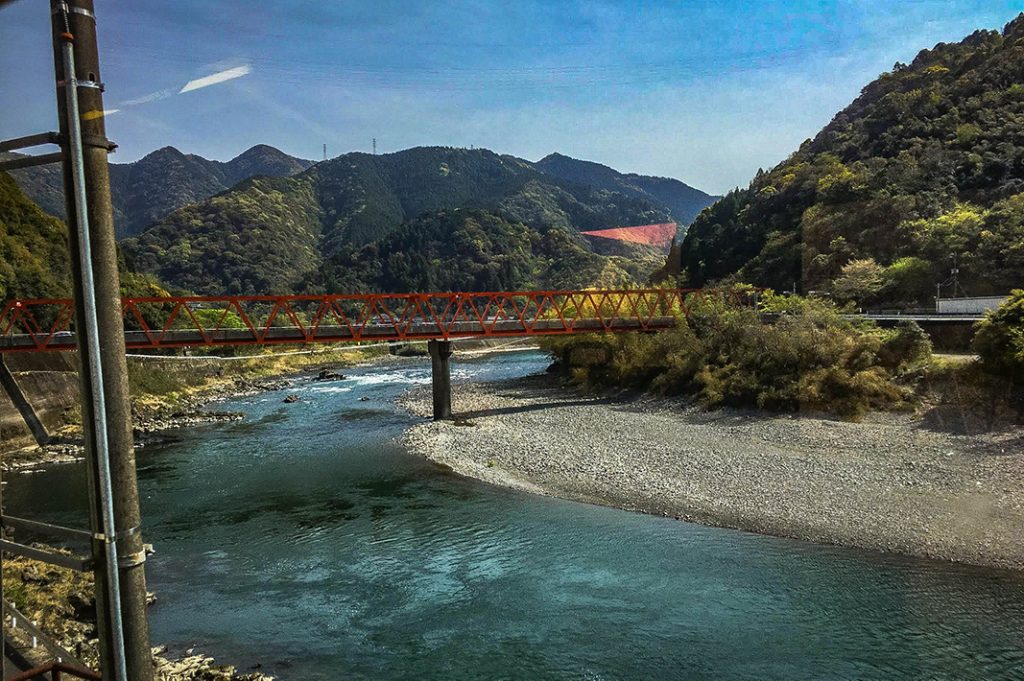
x: 95, y: 368
x: 3, y: 608
x: 78, y: 18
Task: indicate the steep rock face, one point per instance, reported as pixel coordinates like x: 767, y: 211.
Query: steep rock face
x: 925, y: 168
x: 340, y: 206
x: 161, y: 182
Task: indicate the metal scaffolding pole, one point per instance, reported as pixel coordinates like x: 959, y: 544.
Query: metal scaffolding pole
x: 117, y: 547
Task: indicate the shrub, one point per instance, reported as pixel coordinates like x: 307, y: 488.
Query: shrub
x: 905, y: 347
x: 999, y: 339
x: 808, y: 356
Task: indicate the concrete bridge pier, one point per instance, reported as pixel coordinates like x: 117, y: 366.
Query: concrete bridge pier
x: 21, y: 403
x: 441, y: 377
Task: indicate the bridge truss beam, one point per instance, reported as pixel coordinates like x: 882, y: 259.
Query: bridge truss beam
x: 41, y: 325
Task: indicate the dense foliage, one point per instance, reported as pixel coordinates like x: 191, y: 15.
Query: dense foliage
x: 34, y: 260
x: 472, y: 250
x: 809, y: 357
x: 924, y: 168
x: 358, y: 217
x: 261, y: 238
x: 161, y: 182
x: 33, y: 248
x: 999, y: 339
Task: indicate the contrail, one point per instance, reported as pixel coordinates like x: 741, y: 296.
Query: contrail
x: 151, y: 97
x: 195, y: 84
x: 214, y: 78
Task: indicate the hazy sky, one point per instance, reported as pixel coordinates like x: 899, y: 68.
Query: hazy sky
x: 704, y: 91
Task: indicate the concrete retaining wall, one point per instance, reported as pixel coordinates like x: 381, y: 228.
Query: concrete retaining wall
x: 969, y: 305
x: 50, y: 383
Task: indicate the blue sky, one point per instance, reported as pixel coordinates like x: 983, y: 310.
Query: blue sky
x: 704, y: 91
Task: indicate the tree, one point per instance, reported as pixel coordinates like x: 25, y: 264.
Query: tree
x: 859, y: 280
x: 999, y: 339
x: 909, y: 280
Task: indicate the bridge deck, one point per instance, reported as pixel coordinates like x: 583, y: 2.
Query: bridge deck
x: 177, y: 338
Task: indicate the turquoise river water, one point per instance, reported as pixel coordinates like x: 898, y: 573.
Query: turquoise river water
x: 304, y: 539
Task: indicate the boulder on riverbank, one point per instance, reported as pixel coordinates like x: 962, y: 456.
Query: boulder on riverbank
x: 329, y: 375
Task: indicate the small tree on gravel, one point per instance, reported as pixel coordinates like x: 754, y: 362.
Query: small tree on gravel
x: 999, y: 339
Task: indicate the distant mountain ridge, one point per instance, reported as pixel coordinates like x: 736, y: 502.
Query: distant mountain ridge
x: 277, y: 234
x: 166, y: 179
x: 685, y: 202
x: 266, y: 222
x: 160, y: 182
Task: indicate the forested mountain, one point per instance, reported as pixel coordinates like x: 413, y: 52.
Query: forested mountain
x: 475, y: 250
x: 34, y: 258
x: 925, y: 167
x: 33, y: 247
x: 682, y: 200
x: 161, y: 182
x: 275, y: 234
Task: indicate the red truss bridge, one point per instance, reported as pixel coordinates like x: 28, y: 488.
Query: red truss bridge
x: 39, y: 325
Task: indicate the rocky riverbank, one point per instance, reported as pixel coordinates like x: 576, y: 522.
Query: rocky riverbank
x: 60, y: 602
x: 896, y: 482
x: 169, y: 394
x: 150, y: 422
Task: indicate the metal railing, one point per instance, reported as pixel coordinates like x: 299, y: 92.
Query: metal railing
x: 56, y: 670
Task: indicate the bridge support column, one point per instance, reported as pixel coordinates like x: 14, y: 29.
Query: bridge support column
x: 441, y: 377
x: 22, y: 404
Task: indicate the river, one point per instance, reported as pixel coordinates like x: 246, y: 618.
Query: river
x: 305, y: 539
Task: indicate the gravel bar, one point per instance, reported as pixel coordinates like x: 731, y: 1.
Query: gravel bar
x: 890, y: 483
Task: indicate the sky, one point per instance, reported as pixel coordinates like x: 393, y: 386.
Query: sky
x: 706, y: 91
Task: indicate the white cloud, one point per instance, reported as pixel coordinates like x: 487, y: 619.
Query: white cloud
x: 215, y: 78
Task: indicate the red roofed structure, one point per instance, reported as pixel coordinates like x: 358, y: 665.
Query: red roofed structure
x: 651, y: 235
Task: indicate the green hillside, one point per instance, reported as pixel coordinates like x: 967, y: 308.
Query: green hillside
x: 925, y: 167
x: 273, y: 235
x: 33, y: 248
x: 34, y: 259
x: 474, y: 250
x: 262, y: 237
